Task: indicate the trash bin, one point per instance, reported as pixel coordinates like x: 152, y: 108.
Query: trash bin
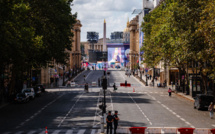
x: 213, y: 131
x: 186, y: 130
x: 137, y: 130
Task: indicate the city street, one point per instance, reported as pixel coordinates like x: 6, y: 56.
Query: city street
x: 70, y: 110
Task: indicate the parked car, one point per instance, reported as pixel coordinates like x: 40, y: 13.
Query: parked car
x: 22, y: 98
x: 42, y: 88
x: 37, y: 91
x: 30, y: 92
x: 202, y: 101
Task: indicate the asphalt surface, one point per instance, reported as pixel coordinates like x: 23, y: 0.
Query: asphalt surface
x: 71, y: 110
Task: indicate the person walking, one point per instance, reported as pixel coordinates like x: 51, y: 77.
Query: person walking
x: 211, y: 110
x: 99, y: 82
x: 116, y: 119
x: 109, y: 121
x: 86, y: 87
x: 150, y: 76
x: 170, y: 92
x: 114, y: 87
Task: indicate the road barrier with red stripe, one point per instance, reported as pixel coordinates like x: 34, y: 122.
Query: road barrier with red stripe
x: 170, y: 130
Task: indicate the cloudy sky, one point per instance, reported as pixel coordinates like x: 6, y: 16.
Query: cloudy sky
x: 92, y: 13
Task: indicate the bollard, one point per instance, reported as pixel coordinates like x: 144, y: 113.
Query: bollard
x: 102, y: 124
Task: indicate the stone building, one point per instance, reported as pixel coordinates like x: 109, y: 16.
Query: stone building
x: 75, y: 55
x: 134, y: 43
x: 126, y: 34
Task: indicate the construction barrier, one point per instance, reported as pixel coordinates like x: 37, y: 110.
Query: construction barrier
x: 94, y: 84
x: 170, y: 130
x: 213, y: 131
x: 166, y: 130
x: 202, y: 131
x: 137, y: 130
x: 72, y: 84
x: 186, y: 130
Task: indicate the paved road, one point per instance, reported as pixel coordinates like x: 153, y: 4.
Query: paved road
x: 71, y: 110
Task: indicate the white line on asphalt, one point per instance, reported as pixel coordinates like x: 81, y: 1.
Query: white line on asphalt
x: 111, y: 101
x: 122, y: 76
x: 30, y: 118
x: 93, y: 131
x: 97, y: 105
x: 88, y: 74
x: 81, y: 131
x: 138, y: 81
x: 78, y: 75
x: 140, y: 110
x: 213, y: 125
x: 70, y: 110
x: 158, y: 102
x: 173, y: 112
x: 56, y: 132
x: 69, y: 131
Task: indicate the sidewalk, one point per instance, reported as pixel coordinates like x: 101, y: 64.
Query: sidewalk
x: 182, y: 95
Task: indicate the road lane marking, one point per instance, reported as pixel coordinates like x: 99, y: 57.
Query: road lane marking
x: 56, y: 132
x: 97, y: 105
x: 140, y: 110
x: 88, y: 75
x: 213, y: 125
x: 81, y: 131
x: 69, y: 131
x: 138, y: 81
x: 70, y: 110
x: 173, y: 112
x: 122, y: 76
x: 93, y: 131
x: 38, y: 112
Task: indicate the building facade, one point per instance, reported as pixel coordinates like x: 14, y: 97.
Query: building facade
x: 134, y: 43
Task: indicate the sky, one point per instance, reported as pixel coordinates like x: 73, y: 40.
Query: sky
x: 92, y: 13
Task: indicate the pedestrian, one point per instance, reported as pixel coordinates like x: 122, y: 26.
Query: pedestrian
x: 133, y: 73
x: 116, y: 119
x: 109, y: 121
x: 211, y: 109
x: 86, y: 87
x: 114, y: 87
x: 169, y: 91
x: 150, y: 76
x: 172, y: 84
x: 126, y: 83
x: 99, y: 82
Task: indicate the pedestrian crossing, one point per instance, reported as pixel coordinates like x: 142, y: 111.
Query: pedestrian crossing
x: 59, y: 131
x: 141, y: 92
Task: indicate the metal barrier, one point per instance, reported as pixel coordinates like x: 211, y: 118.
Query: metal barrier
x: 94, y: 84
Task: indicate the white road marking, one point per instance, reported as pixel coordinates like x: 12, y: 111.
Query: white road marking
x: 140, y: 110
x: 88, y: 75
x: 97, y: 105
x: 173, y: 112
x: 38, y: 112
x: 43, y: 132
x: 138, y: 81
x: 99, y: 131
x: 122, y: 76
x: 19, y: 132
x: 81, y: 131
x: 70, y: 110
x: 69, y: 131
x: 93, y: 131
x: 56, y: 132
x: 31, y: 132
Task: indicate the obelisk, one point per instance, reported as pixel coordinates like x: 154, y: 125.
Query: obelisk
x: 104, y: 37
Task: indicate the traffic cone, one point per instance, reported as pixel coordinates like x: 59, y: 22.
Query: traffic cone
x: 133, y: 90
x: 46, y: 132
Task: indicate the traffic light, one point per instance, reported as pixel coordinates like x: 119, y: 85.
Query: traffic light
x: 104, y: 83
